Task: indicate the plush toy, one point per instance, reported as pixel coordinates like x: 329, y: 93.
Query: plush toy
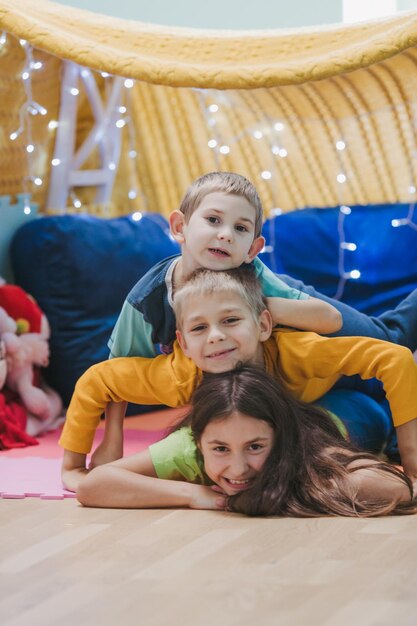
x: 24, y: 331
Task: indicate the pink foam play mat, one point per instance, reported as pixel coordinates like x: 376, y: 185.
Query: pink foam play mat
x: 34, y: 471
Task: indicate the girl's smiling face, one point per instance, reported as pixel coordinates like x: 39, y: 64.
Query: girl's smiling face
x: 235, y: 449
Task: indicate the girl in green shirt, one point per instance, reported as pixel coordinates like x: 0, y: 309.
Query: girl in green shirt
x: 251, y: 447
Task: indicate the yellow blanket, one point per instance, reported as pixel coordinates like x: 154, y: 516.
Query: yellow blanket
x: 285, y: 99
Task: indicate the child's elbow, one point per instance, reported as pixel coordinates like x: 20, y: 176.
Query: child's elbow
x: 84, y: 494
x: 87, y: 492
x: 335, y: 320
x: 329, y: 320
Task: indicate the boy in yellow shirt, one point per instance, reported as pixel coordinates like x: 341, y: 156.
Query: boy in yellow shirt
x: 222, y: 321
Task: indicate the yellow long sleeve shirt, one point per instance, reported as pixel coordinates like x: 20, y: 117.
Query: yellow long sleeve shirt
x: 307, y: 363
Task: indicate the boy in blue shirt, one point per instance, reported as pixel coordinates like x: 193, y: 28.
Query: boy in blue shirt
x: 218, y: 226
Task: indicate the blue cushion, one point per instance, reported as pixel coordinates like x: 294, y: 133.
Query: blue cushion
x: 305, y: 245
x: 80, y: 269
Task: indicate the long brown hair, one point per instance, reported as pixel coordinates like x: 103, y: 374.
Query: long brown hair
x: 305, y: 473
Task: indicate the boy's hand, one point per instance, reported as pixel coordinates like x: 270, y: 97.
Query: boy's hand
x: 203, y: 497
x: 71, y: 479
x: 73, y: 469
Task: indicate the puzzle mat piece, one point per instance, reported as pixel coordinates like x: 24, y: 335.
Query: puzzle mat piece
x: 39, y: 476
x: 149, y: 425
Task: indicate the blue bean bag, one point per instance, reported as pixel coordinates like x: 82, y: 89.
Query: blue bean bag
x: 79, y: 269
x: 306, y: 245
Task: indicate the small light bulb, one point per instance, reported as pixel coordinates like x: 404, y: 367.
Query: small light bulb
x: 275, y: 150
x: 14, y: 135
x: 85, y: 73
x: 77, y: 203
x: 22, y: 42
x: 355, y: 274
x: 37, y: 181
x: 266, y: 174
x: 128, y: 83
x: 132, y: 194
x: 112, y: 166
x: 52, y: 124
x: 55, y: 162
x: 104, y: 74
x: 212, y: 143
x: 341, y: 178
x: 74, y: 91
x: 411, y: 189
x: 132, y: 154
x: 36, y: 65
x: 348, y: 246
x: 137, y: 216
x: 279, y: 126
x: 213, y: 108
x: 30, y: 148
x: 340, y: 145
x: 25, y: 75
x: 396, y: 223
x: 258, y: 134
x: 276, y: 211
x: 27, y: 210
x: 120, y: 123
x: 122, y: 109
x: 345, y: 209
x: 224, y: 149
x: 282, y: 153
x: 3, y: 38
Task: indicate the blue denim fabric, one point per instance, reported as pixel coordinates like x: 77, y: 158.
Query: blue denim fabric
x: 367, y: 420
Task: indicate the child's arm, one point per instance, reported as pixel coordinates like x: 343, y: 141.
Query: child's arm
x: 294, y: 308
x: 132, y: 483
x: 370, y: 484
x: 407, y: 447
x: 73, y: 469
x: 111, y: 447
x: 307, y: 359
x: 312, y: 314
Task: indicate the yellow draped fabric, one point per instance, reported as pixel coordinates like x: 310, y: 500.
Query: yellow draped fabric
x: 286, y: 101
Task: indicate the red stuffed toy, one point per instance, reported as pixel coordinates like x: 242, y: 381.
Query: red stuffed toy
x: 24, y: 331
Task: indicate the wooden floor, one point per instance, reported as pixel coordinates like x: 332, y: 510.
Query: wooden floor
x: 61, y: 564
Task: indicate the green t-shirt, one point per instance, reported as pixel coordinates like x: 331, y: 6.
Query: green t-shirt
x: 177, y: 458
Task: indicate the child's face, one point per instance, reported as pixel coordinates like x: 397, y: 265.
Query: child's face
x: 235, y: 449
x: 219, y: 331
x: 220, y: 234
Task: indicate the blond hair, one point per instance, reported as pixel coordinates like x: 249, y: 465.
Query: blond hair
x: 226, y: 182
x: 240, y: 281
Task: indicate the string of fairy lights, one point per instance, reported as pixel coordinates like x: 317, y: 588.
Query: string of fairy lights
x: 272, y: 132
x: 28, y: 109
